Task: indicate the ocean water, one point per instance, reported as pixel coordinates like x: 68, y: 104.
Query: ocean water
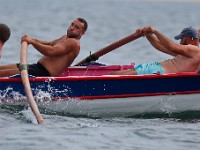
x: 109, y: 21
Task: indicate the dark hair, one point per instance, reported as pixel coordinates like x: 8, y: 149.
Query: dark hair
x: 4, y: 32
x: 84, y: 22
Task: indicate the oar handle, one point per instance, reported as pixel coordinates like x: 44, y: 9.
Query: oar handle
x: 107, y: 49
x: 26, y: 83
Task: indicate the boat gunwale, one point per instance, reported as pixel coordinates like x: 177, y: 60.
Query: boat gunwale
x: 102, y: 77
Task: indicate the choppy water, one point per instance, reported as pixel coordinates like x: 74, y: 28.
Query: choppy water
x: 109, y: 20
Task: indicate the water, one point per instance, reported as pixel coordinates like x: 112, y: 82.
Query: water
x: 109, y: 21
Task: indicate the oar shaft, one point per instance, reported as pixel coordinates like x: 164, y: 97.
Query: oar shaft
x: 117, y: 44
x: 30, y: 98
x: 110, y: 47
x: 26, y: 83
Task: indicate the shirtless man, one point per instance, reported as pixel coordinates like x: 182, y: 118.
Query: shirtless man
x: 186, y: 54
x: 58, y: 54
x: 4, y: 35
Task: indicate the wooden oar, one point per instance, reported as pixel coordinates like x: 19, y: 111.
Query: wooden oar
x: 26, y: 83
x: 95, y: 56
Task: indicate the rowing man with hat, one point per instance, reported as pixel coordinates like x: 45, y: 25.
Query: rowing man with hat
x: 186, y: 54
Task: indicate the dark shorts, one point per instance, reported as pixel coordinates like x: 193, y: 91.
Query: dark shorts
x: 38, y: 70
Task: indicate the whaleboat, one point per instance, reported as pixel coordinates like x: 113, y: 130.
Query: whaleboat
x: 91, y: 91
x: 88, y: 90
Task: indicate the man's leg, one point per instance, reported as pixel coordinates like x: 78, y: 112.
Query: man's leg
x: 124, y: 72
x: 9, y: 70
x: 10, y: 66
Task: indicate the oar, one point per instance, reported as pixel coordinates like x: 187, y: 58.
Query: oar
x: 26, y: 83
x: 95, y: 56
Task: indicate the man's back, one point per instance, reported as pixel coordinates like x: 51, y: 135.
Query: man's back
x: 180, y: 64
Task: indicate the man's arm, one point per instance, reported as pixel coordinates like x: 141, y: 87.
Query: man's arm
x: 56, y: 50
x: 53, y: 42
x: 158, y: 45
x: 190, y: 51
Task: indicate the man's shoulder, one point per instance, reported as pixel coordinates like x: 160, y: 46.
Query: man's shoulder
x: 71, y: 40
x: 72, y: 43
